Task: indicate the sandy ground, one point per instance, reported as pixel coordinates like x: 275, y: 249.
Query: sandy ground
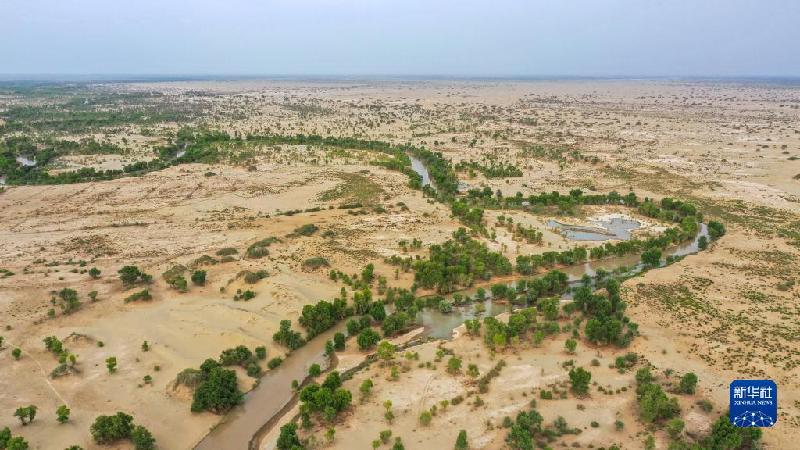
x: 527, y: 370
x: 727, y: 313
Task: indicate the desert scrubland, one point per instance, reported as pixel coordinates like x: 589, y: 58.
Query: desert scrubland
x: 178, y: 178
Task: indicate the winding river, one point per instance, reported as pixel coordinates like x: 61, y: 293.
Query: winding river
x: 273, y: 395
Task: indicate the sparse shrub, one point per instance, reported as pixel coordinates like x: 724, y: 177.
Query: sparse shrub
x: 315, y: 263
x: 305, y: 230
x: 688, y: 383
x: 199, y: 277
x: 425, y: 418
x: 675, y: 427
x: 227, y: 251
x: 141, y: 295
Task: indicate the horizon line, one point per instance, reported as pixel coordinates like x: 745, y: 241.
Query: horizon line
x: 140, y: 77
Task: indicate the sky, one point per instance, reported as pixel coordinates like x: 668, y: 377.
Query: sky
x: 522, y: 38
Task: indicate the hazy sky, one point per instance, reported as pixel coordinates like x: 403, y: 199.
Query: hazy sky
x: 402, y: 37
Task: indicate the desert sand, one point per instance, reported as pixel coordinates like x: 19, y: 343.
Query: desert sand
x: 729, y: 312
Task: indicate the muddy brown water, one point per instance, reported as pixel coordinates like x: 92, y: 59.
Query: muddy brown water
x: 273, y: 392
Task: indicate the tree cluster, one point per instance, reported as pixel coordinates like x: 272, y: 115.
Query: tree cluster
x: 327, y: 399
x: 111, y: 429
x: 218, y: 390
x: 288, y: 337
x: 9, y: 442
x: 607, y: 323
x: 130, y: 275
x: 458, y: 263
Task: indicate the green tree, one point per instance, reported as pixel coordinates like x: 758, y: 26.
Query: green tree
x: 688, y: 383
x: 16, y: 353
x: 651, y: 257
x: 367, y: 339
x: 675, y: 427
x: 130, y: 275
x: 643, y: 376
x: 111, y: 364
x: 461, y: 441
x: 219, y: 392
x: 366, y: 389
x: 314, y: 370
x: 715, y: 229
x: 179, y: 283
x: 579, y: 379
x: 454, y: 365
x: 17, y: 443
x: 725, y: 436
x: 62, y: 414
x: 353, y: 327
x: 5, y: 436
x: 368, y: 274
x: 654, y: 404
x: 94, y: 272
x: 288, y: 439
x: 338, y: 341
x: 571, y: 345
x: 199, y: 277
x: 70, y: 302
x: 650, y: 442
x: 332, y: 381
x: 538, y: 337
x: 386, y: 350
x: 109, y: 429
x: 26, y: 414
x: 142, y: 438
x: 261, y: 352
